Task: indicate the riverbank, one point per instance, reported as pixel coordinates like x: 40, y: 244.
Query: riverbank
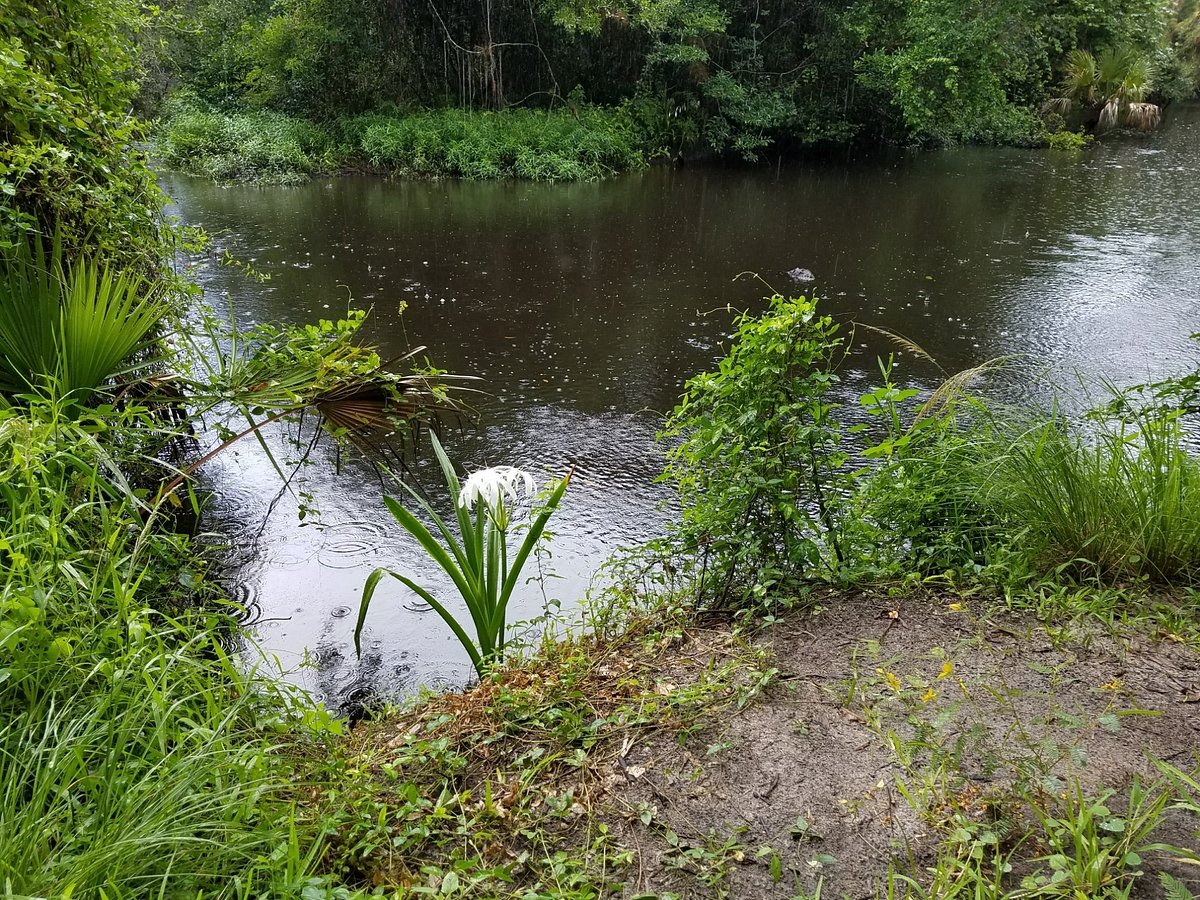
x: 933, y: 744
x: 577, y: 143
x: 570, y: 143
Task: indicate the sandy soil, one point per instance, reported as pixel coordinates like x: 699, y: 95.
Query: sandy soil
x: 963, y: 709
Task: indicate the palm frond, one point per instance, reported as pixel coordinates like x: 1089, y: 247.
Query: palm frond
x: 1060, y: 106
x: 1110, y: 115
x: 1079, y: 82
x: 69, y: 327
x: 106, y: 318
x: 1143, y: 116
x: 30, y: 295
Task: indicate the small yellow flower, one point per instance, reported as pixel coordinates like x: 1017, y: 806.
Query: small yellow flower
x: 929, y: 695
x: 957, y: 607
x: 1115, y: 685
x: 893, y: 681
x: 947, y: 670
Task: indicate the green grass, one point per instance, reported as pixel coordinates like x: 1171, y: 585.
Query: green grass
x: 562, y: 145
x: 267, y: 147
x: 1119, y: 502
x: 1019, y: 496
x: 135, y: 758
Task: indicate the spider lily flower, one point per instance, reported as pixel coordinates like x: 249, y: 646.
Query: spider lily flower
x: 477, y: 559
x: 498, y: 488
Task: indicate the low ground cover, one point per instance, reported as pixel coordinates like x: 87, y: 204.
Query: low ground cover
x: 933, y: 744
x: 567, y: 144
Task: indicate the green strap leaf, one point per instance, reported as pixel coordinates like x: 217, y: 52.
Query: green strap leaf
x: 369, y: 592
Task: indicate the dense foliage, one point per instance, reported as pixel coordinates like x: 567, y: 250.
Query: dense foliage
x: 68, y: 146
x: 757, y: 457
x: 134, y: 755
x: 723, y: 76
x: 781, y: 484
x: 266, y: 146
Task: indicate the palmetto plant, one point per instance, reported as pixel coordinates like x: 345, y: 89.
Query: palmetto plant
x: 477, y: 559
x: 1117, y: 83
x: 68, y: 327
x: 273, y: 373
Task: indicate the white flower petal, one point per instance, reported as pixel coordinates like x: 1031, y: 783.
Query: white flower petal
x: 495, y: 486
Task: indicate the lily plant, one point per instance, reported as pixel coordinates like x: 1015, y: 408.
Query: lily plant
x: 487, y: 507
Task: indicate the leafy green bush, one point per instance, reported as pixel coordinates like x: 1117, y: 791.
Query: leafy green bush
x: 919, y: 510
x: 1068, y: 141
x: 757, y: 456
x: 543, y: 146
x: 69, y: 150
x: 520, y: 143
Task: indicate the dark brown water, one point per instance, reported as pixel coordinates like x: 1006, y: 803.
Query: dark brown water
x: 583, y: 308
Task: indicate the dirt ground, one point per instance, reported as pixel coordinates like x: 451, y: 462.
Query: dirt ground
x: 885, y: 720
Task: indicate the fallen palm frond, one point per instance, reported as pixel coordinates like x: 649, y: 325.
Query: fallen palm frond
x: 272, y: 373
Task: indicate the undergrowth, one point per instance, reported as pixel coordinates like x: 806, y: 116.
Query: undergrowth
x: 567, y: 144
x: 496, y: 792
x: 136, y: 758
x: 268, y: 147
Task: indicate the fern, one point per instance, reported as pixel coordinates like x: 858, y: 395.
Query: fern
x: 1174, y: 888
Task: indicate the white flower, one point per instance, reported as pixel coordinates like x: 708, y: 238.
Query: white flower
x: 498, y: 488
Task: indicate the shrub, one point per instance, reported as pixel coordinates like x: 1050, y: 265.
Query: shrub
x: 520, y: 143
x: 1068, y: 141
x: 757, y: 456
x: 919, y: 511
x: 541, y: 146
x: 246, y: 146
x: 69, y: 150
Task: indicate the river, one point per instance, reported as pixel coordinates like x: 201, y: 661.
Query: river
x: 583, y: 308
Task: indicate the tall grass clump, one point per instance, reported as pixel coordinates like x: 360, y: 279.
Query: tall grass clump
x: 262, y: 146
x: 1023, y: 492
x: 1121, y: 501
x: 134, y: 759
x: 562, y: 145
